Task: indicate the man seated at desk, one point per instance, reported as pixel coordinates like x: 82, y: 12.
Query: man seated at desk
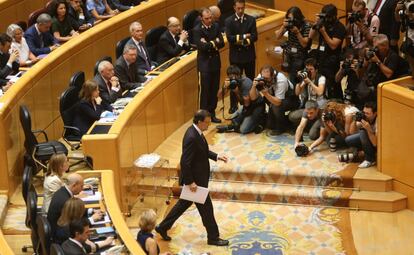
x: 8, y: 62
x: 126, y: 68
x: 144, y: 62
x: 172, y: 42
x: 109, y: 87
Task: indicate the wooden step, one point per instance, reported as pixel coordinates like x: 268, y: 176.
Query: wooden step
x: 390, y: 201
x: 369, y: 179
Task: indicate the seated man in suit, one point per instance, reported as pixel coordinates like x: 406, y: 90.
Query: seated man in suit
x: 79, y: 17
x: 120, y: 5
x: 39, y: 38
x: 126, y: 70
x: 8, y: 62
x: 73, y: 187
x: 172, y: 42
x: 109, y: 87
x: 79, y: 234
x: 144, y: 63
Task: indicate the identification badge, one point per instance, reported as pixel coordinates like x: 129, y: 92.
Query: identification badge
x: 294, y: 50
x: 322, y: 48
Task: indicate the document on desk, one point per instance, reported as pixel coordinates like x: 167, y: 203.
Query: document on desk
x: 93, y: 198
x: 105, y: 219
x: 199, y: 196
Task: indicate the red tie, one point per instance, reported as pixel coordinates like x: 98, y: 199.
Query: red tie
x: 377, y: 6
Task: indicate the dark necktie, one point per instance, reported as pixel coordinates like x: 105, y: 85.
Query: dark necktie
x: 176, y: 39
x: 204, y: 138
x: 141, y: 48
x: 130, y: 73
x: 109, y: 86
x: 42, y: 43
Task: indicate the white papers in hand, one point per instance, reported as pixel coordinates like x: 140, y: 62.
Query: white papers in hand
x: 199, y: 196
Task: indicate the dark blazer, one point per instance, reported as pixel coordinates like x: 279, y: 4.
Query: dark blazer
x: 194, y: 163
x: 208, y: 55
x: 71, y: 248
x: 141, y: 63
x: 235, y: 30
x: 56, y: 205
x: 74, y: 17
x: 388, y: 25
x: 168, y: 48
x: 128, y: 76
x: 116, y: 4
x: 34, y: 41
x: 86, y: 114
x: 108, y: 97
x: 5, y: 70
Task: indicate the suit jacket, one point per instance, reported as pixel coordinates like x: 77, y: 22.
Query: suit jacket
x: 388, y: 25
x: 71, y: 248
x: 194, y: 163
x: 108, y: 96
x: 116, y: 4
x: 86, y: 114
x: 74, y: 18
x: 241, y: 50
x: 56, y: 205
x: 128, y: 76
x: 168, y: 48
x: 208, y: 55
x: 141, y: 63
x: 5, y: 70
x: 34, y: 41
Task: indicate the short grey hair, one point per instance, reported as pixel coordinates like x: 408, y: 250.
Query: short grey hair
x: 102, y: 65
x: 44, y: 18
x: 11, y: 30
x: 311, y: 104
x: 133, y: 26
x: 381, y: 39
x: 129, y: 47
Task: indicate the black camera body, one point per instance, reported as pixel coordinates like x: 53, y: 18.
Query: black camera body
x: 234, y: 83
x: 371, y: 53
x: 261, y: 83
x: 360, y: 116
x: 354, y: 17
x: 302, y: 75
x: 329, y: 116
x: 290, y: 23
x: 302, y: 150
x: 321, y: 22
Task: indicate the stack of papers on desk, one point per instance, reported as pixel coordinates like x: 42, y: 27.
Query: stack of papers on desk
x: 106, y: 219
x: 122, y: 102
x: 92, y: 198
x: 147, y: 160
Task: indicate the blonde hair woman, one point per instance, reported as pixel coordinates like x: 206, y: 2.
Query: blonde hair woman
x: 58, y: 164
x: 145, y: 238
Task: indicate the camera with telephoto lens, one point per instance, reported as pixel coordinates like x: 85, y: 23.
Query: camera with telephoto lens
x: 302, y: 150
x: 233, y: 83
x: 354, y: 17
x: 360, y: 116
x: 329, y: 116
x: 371, y: 53
x: 261, y: 83
x: 407, y: 8
x: 302, y: 75
x: 321, y: 22
x: 226, y: 128
x: 290, y: 23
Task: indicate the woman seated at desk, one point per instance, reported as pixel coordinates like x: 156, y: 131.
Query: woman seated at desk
x: 90, y: 107
x: 74, y: 209
x: 61, y: 25
x: 26, y: 57
x: 100, y: 10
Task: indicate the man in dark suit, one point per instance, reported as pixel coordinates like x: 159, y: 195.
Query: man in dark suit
x: 126, y: 70
x: 143, y: 63
x: 241, y: 33
x: 8, y: 62
x: 109, y: 87
x: 79, y: 233
x: 208, y: 38
x: 39, y: 38
x: 195, y: 171
x: 79, y: 17
x: 172, y: 42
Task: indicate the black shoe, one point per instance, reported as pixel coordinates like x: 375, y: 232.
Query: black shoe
x: 214, y: 119
x: 218, y: 242
x: 258, y: 129
x: 232, y: 110
x: 163, y: 233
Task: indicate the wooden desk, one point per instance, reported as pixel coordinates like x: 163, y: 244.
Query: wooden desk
x: 395, y: 134
x: 4, y: 246
x: 160, y: 108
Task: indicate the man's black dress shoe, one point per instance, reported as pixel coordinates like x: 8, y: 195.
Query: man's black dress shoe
x: 163, y: 233
x: 218, y: 242
x: 214, y: 119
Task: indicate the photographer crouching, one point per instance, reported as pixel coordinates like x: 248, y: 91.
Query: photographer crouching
x: 248, y: 118
x: 366, y: 137
x: 404, y: 13
x: 278, y: 93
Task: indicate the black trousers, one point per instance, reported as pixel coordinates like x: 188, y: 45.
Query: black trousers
x: 205, y: 210
x: 249, y: 70
x: 208, y: 87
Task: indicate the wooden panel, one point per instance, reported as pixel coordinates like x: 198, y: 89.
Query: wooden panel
x: 407, y: 190
x: 190, y: 87
x: 174, y: 116
x: 155, y: 122
x: 126, y: 150
x: 139, y: 134
x: 178, y: 8
x: 17, y: 10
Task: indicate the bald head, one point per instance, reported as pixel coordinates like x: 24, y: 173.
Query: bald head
x: 215, y: 11
x: 75, y: 183
x: 173, y: 25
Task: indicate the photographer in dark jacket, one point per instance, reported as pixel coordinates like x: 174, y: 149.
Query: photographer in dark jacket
x: 350, y: 68
x: 248, y: 117
x: 296, y: 47
x: 331, y: 34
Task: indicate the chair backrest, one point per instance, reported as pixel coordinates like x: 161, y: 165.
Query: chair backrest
x: 55, y: 249
x: 120, y: 46
x: 68, y: 104
x: 151, y: 40
x: 77, y: 80
x: 22, y: 24
x: 226, y: 9
x: 107, y: 58
x: 26, y: 122
x: 45, y: 234
x: 27, y: 181
x: 31, y: 213
x: 33, y: 16
x: 189, y: 19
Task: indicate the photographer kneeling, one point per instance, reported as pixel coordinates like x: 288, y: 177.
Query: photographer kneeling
x: 248, y: 117
x: 278, y: 93
x: 310, y: 122
x: 366, y: 137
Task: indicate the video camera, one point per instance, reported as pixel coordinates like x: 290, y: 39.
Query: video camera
x: 302, y: 75
x: 354, y: 17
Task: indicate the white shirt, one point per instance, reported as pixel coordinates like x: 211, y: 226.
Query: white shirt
x: 198, y: 130
x: 22, y: 48
x: 50, y: 185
